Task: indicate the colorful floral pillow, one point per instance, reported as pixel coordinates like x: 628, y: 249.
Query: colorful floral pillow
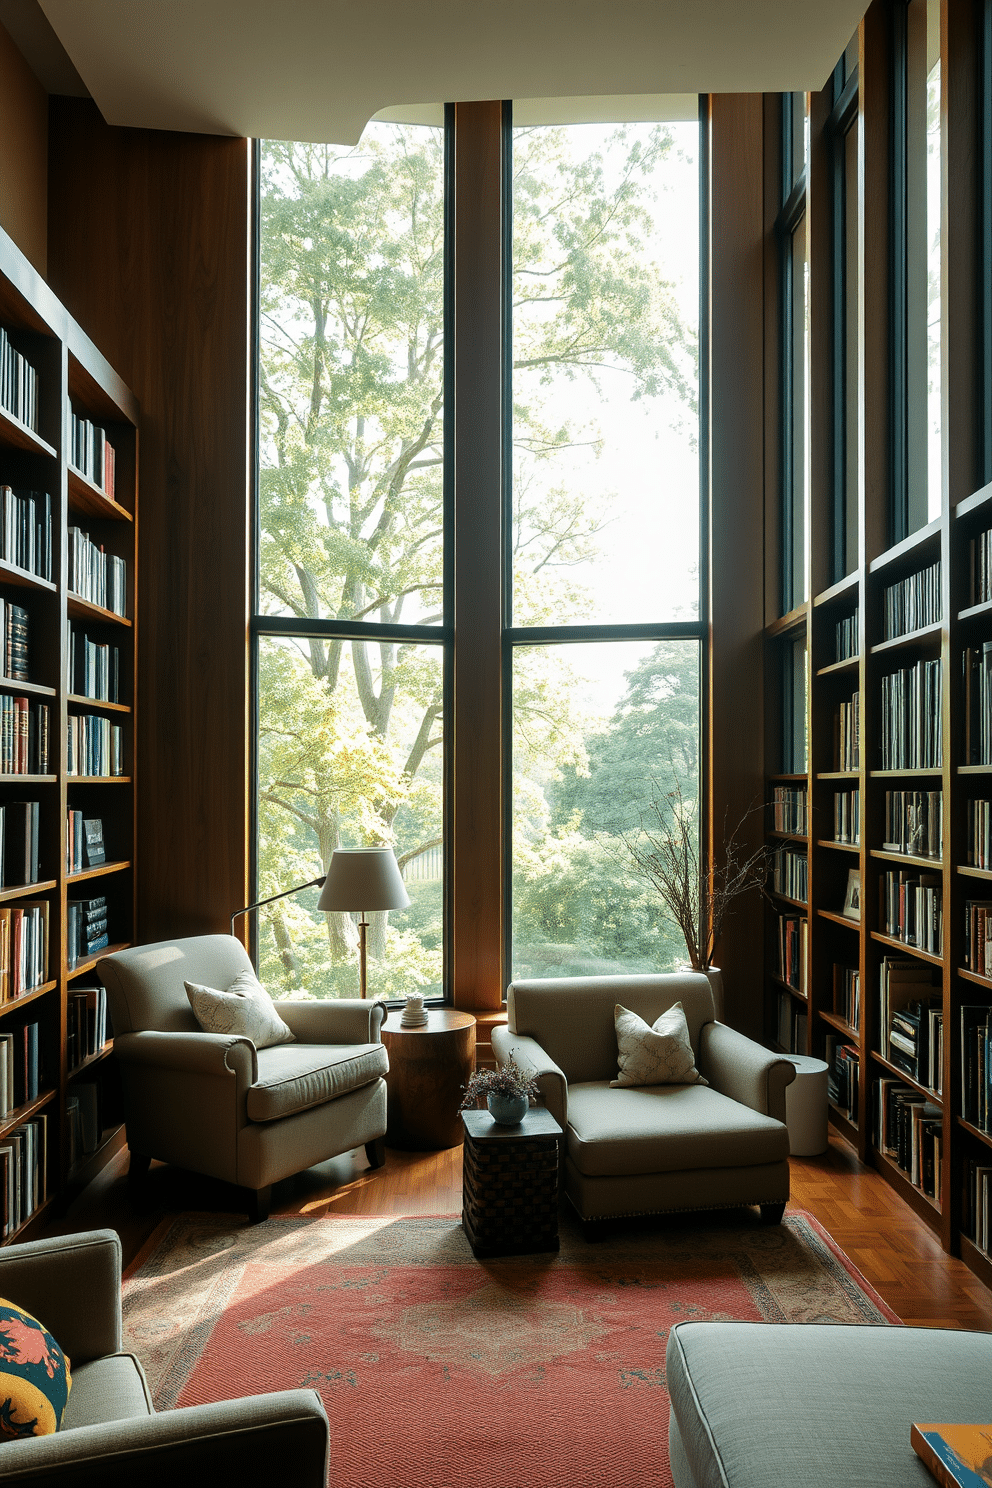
x: 34, y: 1376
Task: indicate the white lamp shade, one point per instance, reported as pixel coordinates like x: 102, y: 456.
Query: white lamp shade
x: 363, y: 878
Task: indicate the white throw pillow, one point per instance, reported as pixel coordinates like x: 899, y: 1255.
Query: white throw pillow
x: 244, y: 1008
x: 658, y: 1055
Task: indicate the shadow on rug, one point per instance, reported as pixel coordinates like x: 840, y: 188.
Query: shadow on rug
x: 441, y: 1371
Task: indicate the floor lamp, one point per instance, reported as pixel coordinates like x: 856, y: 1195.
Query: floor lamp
x: 363, y: 879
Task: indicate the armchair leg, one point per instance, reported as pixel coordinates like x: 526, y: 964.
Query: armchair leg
x: 259, y: 1204
x: 376, y: 1152
x: 772, y: 1213
x: 595, y: 1230
x: 137, y: 1169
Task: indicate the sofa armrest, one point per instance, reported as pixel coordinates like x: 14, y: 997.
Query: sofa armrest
x: 249, y: 1440
x: 72, y: 1284
x: 221, y: 1054
x: 739, y: 1068
x: 345, y: 1020
x: 533, y: 1061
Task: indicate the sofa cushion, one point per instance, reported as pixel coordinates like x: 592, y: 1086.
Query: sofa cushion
x: 665, y: 1128
x: 758, y: 1404
x: 294, y: 1077
x: 110, y: 1389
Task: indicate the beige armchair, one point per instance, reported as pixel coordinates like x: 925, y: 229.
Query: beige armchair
x: 111, y: 1436
x: 214, y: 1103
x: 650, y: 1149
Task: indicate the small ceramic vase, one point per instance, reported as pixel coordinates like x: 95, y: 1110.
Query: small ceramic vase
x: 507, y: 1110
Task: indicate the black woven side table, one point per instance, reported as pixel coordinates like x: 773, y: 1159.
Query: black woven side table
x: 510, y: 1184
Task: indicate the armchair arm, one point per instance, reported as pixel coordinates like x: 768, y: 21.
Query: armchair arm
x: 531, y: 1058
x: 193, y: 1053
x: 739, y: 1068
x: 236, y: 1441
x: 345, y: 1020
x: 72, y: 1284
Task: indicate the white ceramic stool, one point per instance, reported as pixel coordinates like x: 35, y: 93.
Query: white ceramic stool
x: 806, y: 1106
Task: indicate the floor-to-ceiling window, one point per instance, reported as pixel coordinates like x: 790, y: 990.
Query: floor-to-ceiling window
x: 794, y: 240
x: 357, y: 525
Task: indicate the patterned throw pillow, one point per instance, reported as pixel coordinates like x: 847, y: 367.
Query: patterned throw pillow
x: 34, y: 1376
x: 658, y: 1055
x: 245, y: 1008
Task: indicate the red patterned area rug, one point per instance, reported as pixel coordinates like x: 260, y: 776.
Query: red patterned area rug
x: 441, y: 1371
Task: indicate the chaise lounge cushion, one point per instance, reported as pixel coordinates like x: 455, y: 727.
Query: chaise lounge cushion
x: 759, y: 1404
x: 110, y: 1389
x: 294, y: 1077
x: 666, y: 1128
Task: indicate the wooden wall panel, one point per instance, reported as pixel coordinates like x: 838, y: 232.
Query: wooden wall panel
x: 23, y: 154
x: 736, y: 376
x: 149, y: 250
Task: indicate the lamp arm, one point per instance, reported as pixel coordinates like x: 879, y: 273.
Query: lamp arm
x: 313, y: 884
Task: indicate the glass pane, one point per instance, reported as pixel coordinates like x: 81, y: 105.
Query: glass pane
x: 934, y: 417
x: 349, y: 755
x: 796, y: 525
x: 351, y: 377
x: 602, y: 734
x: 923, y: 252
x: 851, y: 311
x: 605, y: 387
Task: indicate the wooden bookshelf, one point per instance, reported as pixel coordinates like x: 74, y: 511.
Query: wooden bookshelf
x: 73, y: 379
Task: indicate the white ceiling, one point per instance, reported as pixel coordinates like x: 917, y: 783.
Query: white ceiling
x: 319, y: 69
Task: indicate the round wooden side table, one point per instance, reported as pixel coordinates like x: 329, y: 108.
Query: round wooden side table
x: 427, y: 1068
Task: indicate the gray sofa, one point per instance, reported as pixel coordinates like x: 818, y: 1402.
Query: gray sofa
x: 762, y: 1405
x: 111, y: 1436
x: 647, y: 1150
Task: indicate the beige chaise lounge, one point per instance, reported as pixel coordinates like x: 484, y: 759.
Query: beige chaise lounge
x: 651, y: 1149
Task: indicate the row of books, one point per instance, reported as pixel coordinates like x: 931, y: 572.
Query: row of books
x: 93, y: 455
x: 19, y: 822
x: 23, y: 1172
x: 96, y: 576
x: 915, y: 1039
x: 847, y: 995
x: 24, y: 736
x: 94, y: 668
x: 19, y: 383
x: 14, y: 629
x: 902, y: 982
x: 980, y: 566
x: 83, y: 1120
x: 978, y: 1186
x: 914, y: 823
x: 978, y: 821
x: 846, y: 638
x: 976, y: 1066
x: 789, y: 807
x: 911, y: 698
x: 912, y: 603
x: 94, y: 745
x: 83, y: 842
x: 791, y: 942
x: 87, y: 1029
x: 791, y: 1024
x: 19, y: 1067
x: 847, y: 734
x: 977, y: 663
x: 847, y: 816
x: 909, y: 1129
x: 843, y: 1075
x: 912, y: 909
x: 977, y: 940
x: 86, y: 928
x: 26, y: 531
x: 790, y: 873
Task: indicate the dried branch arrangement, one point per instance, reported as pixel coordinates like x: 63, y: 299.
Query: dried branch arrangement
x: 666, y: 852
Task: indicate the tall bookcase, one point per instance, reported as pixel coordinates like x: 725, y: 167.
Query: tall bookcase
x: 73, y: 380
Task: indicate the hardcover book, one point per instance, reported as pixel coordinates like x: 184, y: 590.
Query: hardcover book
x: 959, y: 1456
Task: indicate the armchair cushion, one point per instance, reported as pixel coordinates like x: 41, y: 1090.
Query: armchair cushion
x: 666, y: 1128
x: 654, y: 1054
x: 111, y: 1389
x: 294, y: 1077
x: 244, y: 1007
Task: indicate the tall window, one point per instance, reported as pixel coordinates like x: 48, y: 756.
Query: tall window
x: 842, y: 133
x: 605, y: 534
x: 351, y: 584
x: 354, y: 632
x: 793, y: 237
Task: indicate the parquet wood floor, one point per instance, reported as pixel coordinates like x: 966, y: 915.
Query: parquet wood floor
x: 889, y: 1244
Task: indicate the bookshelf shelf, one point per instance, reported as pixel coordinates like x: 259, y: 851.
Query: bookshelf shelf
x: 973, y: 976
x: 84, y: 409
x: 788, y: 987
x: 840, y: 1025
x: 974, y: 1131
x: 977, y: 612
x: 22, y: 1229
x: 836, y: 668
x: 911, y: 638
x: 843, y: 1123
x: 905, y: 949
x: 789, y: 624
x: 111, y: 1142
x: 844, y: 589
x: 838, y: 775
x: 784, y: 899
x: 894, y: 1069
x: 905, y: 774
x: 928, y: 1208
x: 934, y: 865
x: 974, y: 872
x: 832, y: 846
x: 788, y: 837
x: 837, y: 918
x: 83, y: 967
